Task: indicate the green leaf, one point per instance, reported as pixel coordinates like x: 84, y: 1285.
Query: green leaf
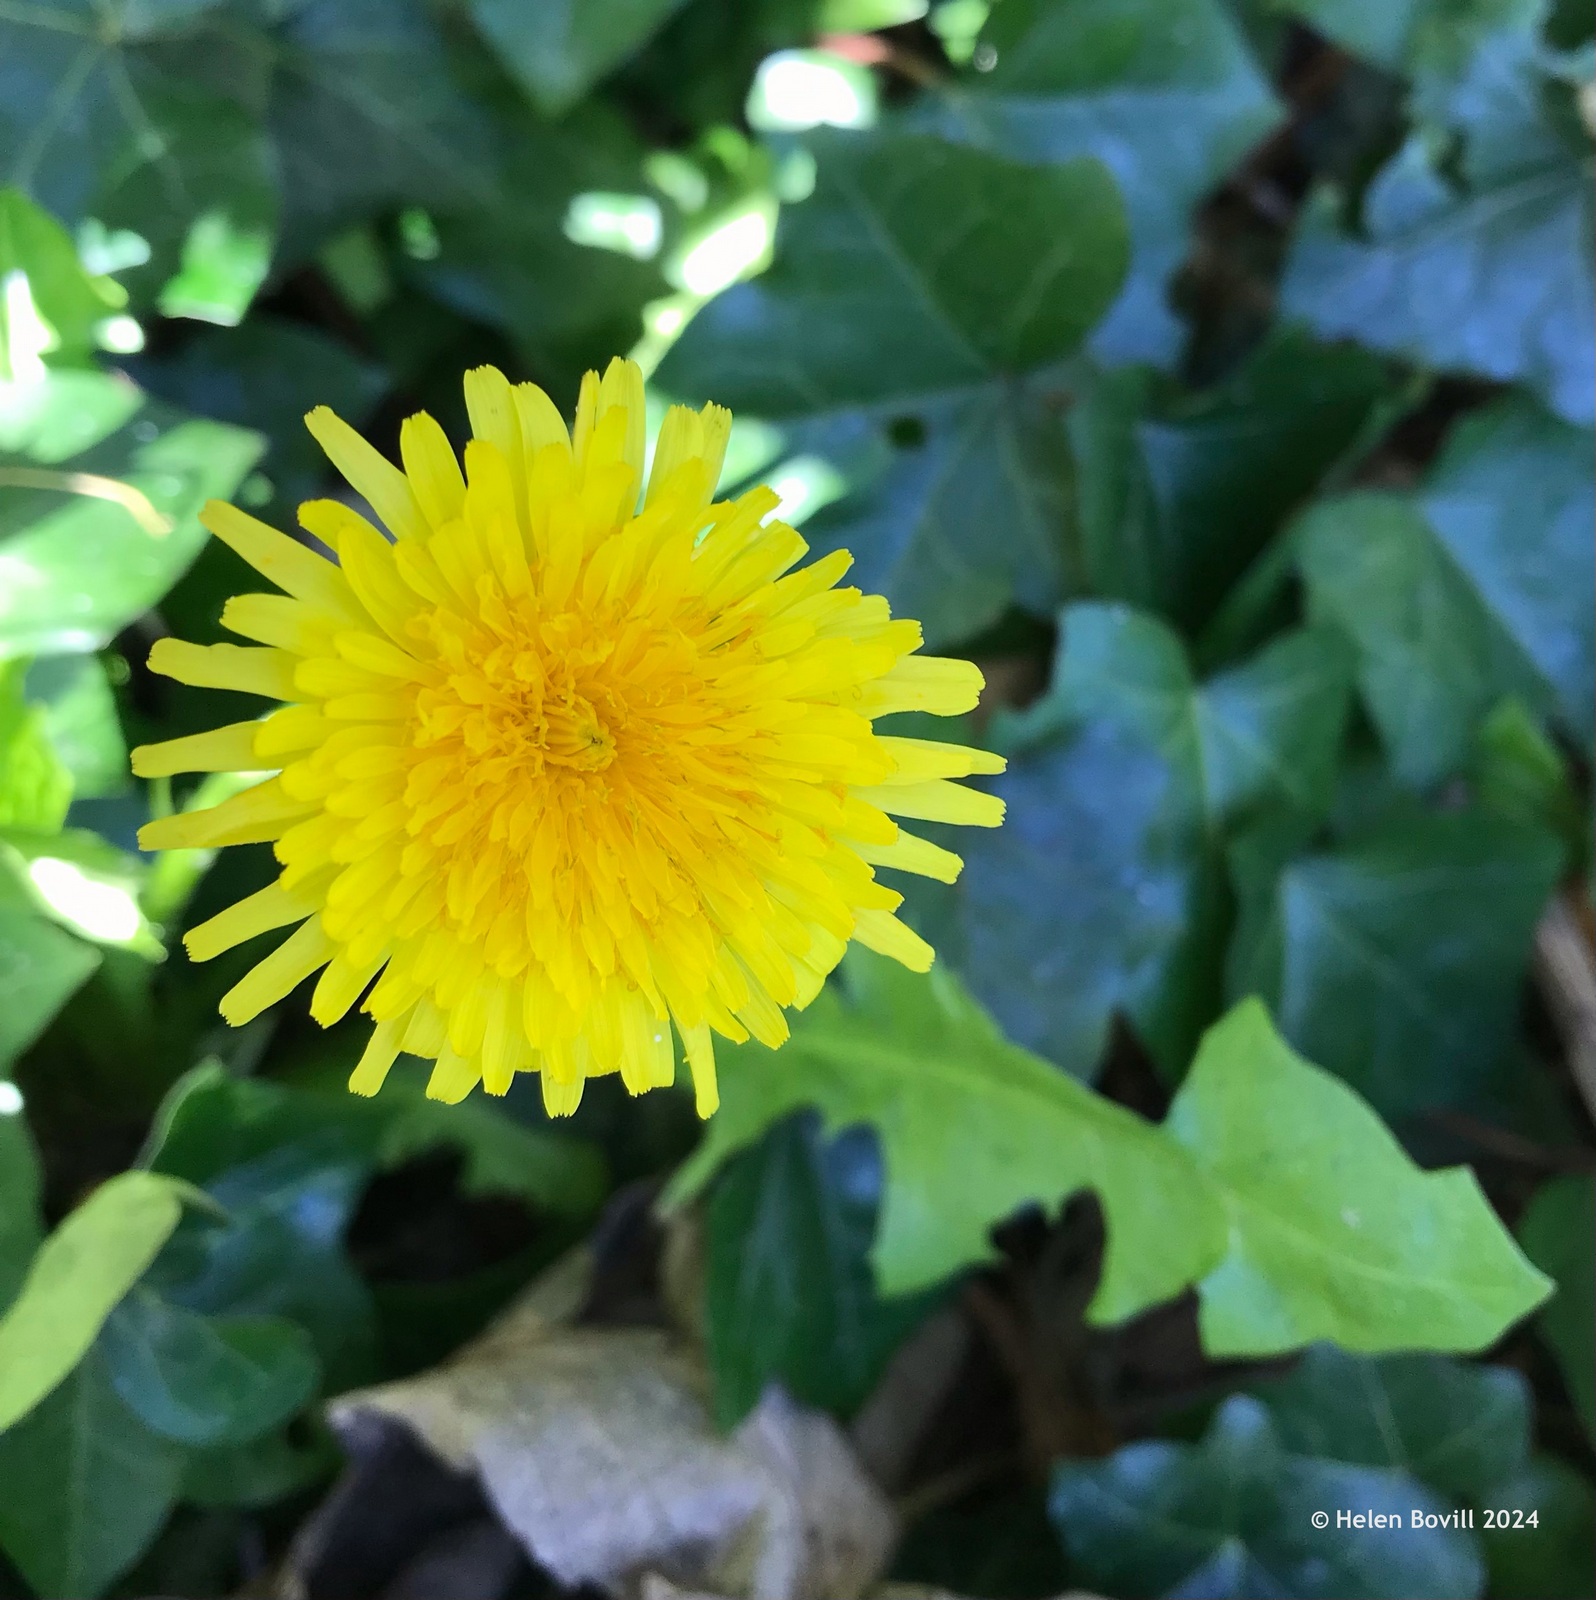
x: 917, y: 296
x: 85, y: 884
x: 1491, y: 275
x: 1558, y: 1232
x: 35, y: 788
x: 99, y: 516
x: 1344, y: 947
x: 557, y: 51
x: 1554, y: 1558
x: 265, y: 375
x: 373, y: 76
x: 1232, y: 1516
x: 1511, y: 500
x: 789, y: 1293
x: 144, y: 117
x: 206, y: 1381
x: 1164, y: 92
x: 41, y: 967
x: 1517, y: 773
x: 971, y: 1127
x: 81, y: 721
x: 894, y: 241
x: 1101, y: 892
x: 21, y: 1226
x: 1270, y: 1182
x: 1457, y: 1427
x: 84, y: 1486
x: 69, y: 301
x: 1180, y: 491
x: 1473, y: 589
x: 79, y: 1274
x: 288, y: 1168
x: 1333, y: 1232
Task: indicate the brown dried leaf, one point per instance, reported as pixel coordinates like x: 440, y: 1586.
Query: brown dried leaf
x: 596, y: 1448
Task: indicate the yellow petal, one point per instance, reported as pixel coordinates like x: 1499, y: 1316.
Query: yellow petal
x: 229, y: 749
x: 909, y: 853
x: 369, y: 473
x: 252, y: 817
x: 268, y: 908
x: 935, y: 801
x: 432, y: 469
x: 939, y: 684
x: 882, y: 932
x: 225, y: 666
x: 286, y: 562
x: 305, y: 949
x: 382, y: 1048
x: 918, y: 759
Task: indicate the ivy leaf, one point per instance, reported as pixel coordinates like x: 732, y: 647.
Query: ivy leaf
x: 1343, y: 945
x: 140, y: 116
x: 21, y: 1225
x: 206, y: 1381
x: 78, y: 705
x: 373, y: 76
x: 288, y: 1169
x: 100, y: 514
x: 1164, y: 92
x: 265, y: 375
x: 1232, y: 1515
x: 970, y: 1127
x: 41, y: 968
x: 1271, y: 1182
x: 1333, y: 1232
x: 1458, y: 1427
x: 35, y: 787
x: 84, y: 1486
x: 1554, y: 1556
x: 789, y: 1292
x: 1558, y: 1232
x: 920, y: 291
x: 559, y: 50
x: 79, y: 1274
x: 1477, y: 587
x: 1101, y: 893
x: 63, y: 295
x: 1491, y: 274
x: 1180, y: 491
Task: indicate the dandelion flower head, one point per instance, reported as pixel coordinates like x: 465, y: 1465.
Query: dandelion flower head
x: 568, y: 769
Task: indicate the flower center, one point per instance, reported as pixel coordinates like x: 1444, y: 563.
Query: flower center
x: 572, y: 734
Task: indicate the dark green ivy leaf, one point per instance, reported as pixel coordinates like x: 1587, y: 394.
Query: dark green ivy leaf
x: 919, y: 294
x: 140, y: 116
x: 1558, y: 1232
x: 206, y: 1381
x: 84, y: 1486
x: 1348, y: 948
x: 1231, y: 1516
x: 1480, y: 266
x: 1459, y: 1428
x: 1164, y: 92
x: 1482, y: 584
x: 558, y: 49
x: 1101, y: 891
x: 1179, y: 492
x: 789, y: 1291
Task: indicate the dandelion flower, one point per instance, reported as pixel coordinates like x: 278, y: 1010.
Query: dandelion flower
x: 567, y: 770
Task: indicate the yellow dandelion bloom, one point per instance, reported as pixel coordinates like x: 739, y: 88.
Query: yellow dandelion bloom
x: 564, y: 763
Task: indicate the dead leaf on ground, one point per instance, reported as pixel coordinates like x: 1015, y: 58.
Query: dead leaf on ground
x: 595, y: 1447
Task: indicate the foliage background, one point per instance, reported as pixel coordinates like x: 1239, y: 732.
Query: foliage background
x: 1218, y: 375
